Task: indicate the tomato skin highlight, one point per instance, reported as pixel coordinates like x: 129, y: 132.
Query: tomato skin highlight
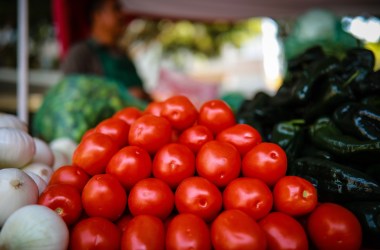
x: 180, y: 112
x: 94, y: 153
x: 117, y: 129
x: 266, y: 161
x: 249, y: 195
x: 95, y: 233
x: 187, y: 231
x: 151, y: 197
x: 216, y: 115
x: 173, y: 163
x: 130, y: 165
x: 295, y: 196
x: 199, y: 196
x: 63, y: 199
x: 219, y: 162
x: 195, y: 137
x: 71, y: 175
x: 283, y: 232
x: 331, y: 226
x: 150, y: 133
x: 154, y: 108
x: 144, y: 232
x: 242, y: 136
x: 234, y: 229
x: 128, y: 115
x: 103, y: 196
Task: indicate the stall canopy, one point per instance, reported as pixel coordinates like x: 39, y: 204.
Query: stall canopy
x: 71, y: 25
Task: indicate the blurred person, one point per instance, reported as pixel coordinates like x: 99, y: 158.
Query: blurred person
x: 100, y: 54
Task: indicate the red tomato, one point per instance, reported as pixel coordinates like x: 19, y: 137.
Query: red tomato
x: 88, y: 132
x: 242, y: 136
x: 334, y: 227
x: 128, y: 115
x: 180, y: 112
x: 152, y: 197
x: 267, y: 162
x: 95, y: 233
x: 144, y: 232
x: 216, y: 115
x: 234, y: 229
x: 150, y: 132
x: 154, y: 108
x: 123, y: 222
x: 94, y: 152
x: 187, y: 231
x: 295, y: 196
x: 104, y: 196
x: 250, y: 195
x: 195, y: 137
x: 71, y: 175
x: 219, y: 162
x: 116, y: 129
x: 63, y: 199
x: 197, y: 195
x: 283, y: 232
x: 130, y: 165
x: 173, y: 163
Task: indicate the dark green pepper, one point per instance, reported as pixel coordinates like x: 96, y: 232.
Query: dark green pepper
x: 336, y: 182
x: 325, y: 135
x: 372, y: 101
x: 374, y: 171
x: 284, y: 132
x: 369, y: 86
x: 358, y: 120
x: 368, y: 214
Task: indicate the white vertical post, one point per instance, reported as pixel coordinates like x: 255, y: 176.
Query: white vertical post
x: 22, y: 60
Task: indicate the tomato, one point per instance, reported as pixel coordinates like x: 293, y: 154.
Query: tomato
x: 195, y: 137
x: 267, y: 162
x: 295, y: 196
x: 242, y: 136
x: 332, y: 226
x: 283, y: 232
x: 216, y: 115
x: 71, y: 175
x: 179, y: 111
x: 104, y: 196
x: 130, y: 165
x: 173, y: 163
x: 187, y: 231
x: 87, y: 133
x: 95, y: 233
x: 128, y: 115
x: 154, y: 108
x: 116, y: 129
x: 94, y: 152
x: 63, y: 199
x: 234, y: 229
x: 123, y: 222
x: 198, y: 196
x: 152, y: 197
x: 144, y: 232
x: 219, y: 162
x: 250, y: 195
x: 150, y: 132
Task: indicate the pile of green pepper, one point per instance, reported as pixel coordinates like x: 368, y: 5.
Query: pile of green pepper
x: 326, y: 115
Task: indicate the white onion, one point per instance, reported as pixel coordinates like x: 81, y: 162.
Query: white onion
x: 11, y: 121
x: 60, y: 159
x: 40, y: 169
x: 43, y: 153
x: 41, y: 183
x: 65, y: 145
x: 17, y: 189
x: 34, y: 227
x: 17, y: 148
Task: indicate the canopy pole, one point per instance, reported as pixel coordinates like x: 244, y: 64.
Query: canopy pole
x: 22, y: 61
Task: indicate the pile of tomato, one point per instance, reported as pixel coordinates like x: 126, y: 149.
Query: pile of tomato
x: 175, y: 177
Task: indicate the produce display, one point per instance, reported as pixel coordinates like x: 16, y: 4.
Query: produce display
x: 326, y: 116
x: 174, y: 177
